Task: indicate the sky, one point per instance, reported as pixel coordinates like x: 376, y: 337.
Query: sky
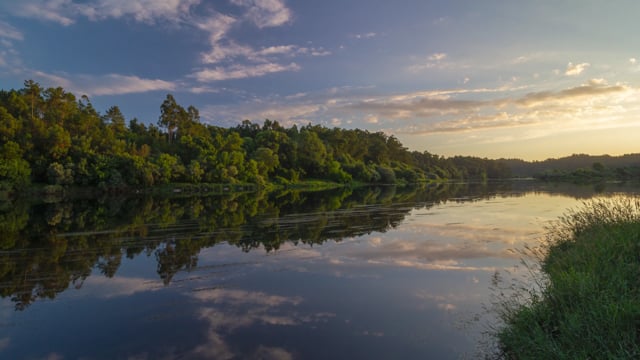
x: 492, y: 78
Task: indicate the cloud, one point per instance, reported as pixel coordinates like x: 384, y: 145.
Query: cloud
x: 371, y: 119
x: 576, y: 69
x: 437, y: 57
x: 633, y: 61
x: 217, y: 25
x: 450, y: 111
x: 265, y: 13
x: 287, y: 114
x: 236, y: 60
x: 65, y: 12
x: 111, y: 84
x: 9, y: 32
x: 368, y: 35
x: 115, y: 84
x: 220, y: 73
x: 593, y: 89
x: 435, y: 61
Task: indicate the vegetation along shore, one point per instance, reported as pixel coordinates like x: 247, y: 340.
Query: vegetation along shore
x: 51, y: 139
x: 588, y: 304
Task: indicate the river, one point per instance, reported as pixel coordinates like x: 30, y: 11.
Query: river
x: 371, y: 273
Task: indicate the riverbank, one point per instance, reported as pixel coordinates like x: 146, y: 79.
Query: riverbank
x: 589, y: 304
x: 43, y: 190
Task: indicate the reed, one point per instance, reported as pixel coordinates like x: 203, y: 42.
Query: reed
x: 584, y: 301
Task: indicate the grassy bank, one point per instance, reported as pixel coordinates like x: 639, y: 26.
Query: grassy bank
x: 589, y: 303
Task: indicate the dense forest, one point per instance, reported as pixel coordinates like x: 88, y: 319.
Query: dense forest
x: 48, y: 136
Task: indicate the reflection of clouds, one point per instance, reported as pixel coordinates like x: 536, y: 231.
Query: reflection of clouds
x: 4, y: 343
x: 473, y: 233
x: 272, y: 353
x: 229, y: 310
x: 104, y: 287
x: 443, y: 302
x: 237, y: 297
x: 447, y: 307
x: 436, y: 265
x: 429, y: 255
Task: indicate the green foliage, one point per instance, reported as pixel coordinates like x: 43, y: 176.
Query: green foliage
x: 51, y: 137
x: 587, y: 306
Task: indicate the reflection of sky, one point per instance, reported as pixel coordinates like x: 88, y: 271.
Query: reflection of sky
x: 408, y: 292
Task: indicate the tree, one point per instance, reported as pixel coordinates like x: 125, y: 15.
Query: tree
x: 312, y: 154
x: 266, y: 160
x: 13, y: 168
x: 115, y: 120
x: 33, y: 91
x: 171, y: 115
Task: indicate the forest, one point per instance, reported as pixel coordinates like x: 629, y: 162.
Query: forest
x: 49, y: 136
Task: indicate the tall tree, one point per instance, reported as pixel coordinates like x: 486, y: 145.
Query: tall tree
x: 171, y: 115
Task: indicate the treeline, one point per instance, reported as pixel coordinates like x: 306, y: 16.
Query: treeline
x: 579, y: 168
x: 48, y: 136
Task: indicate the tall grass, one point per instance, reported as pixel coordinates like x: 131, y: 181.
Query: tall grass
x: 584, y: 302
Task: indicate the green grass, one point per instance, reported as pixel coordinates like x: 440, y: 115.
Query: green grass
x: 588, y: 302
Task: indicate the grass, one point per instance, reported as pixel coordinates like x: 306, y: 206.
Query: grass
x: 586, y: 304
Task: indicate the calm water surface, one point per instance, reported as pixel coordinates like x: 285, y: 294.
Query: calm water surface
x: 381, y: 273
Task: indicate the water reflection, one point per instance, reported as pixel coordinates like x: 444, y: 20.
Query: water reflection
x: 376, y: 272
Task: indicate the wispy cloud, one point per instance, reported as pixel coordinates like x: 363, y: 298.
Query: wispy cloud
x: 368, y: 35
x: 115, y: 84
x: 9, y: 32
x: 65, y: 12
x: 576, y: 69
x: 111, y: 84
x: 434, y: 61
x: 234, y: 60
x: 220, y: 73
x: 265, y: 13
x: 437, y: 57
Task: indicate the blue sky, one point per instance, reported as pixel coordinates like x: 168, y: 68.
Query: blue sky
x: 491, y: 78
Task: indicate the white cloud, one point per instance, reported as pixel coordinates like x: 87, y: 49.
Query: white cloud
x: 287, y: 114
x: 111, y: 84
x: 435, y: 61
x: 217, y: 25
x: 265, y: 13
x: 220, y: 73
x: 368, y: 35
x: 9, y: 32
x: 237, y: 60
x: 65, y: 12
x: 371, y: 119
x: 633, y: 61
x: 115, y: 84
x: 576, y: 69
x: 437, y: 57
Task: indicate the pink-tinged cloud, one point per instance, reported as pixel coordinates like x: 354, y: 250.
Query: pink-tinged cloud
x: 233, y: 72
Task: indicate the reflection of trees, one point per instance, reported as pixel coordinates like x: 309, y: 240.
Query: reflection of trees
x: 46, y: 247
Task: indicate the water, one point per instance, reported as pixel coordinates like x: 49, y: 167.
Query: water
x: 370, y: 273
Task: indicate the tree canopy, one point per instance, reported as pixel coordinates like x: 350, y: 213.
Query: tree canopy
x: 49, y: 136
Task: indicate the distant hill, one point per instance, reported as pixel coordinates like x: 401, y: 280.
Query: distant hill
x: 521, y: 168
